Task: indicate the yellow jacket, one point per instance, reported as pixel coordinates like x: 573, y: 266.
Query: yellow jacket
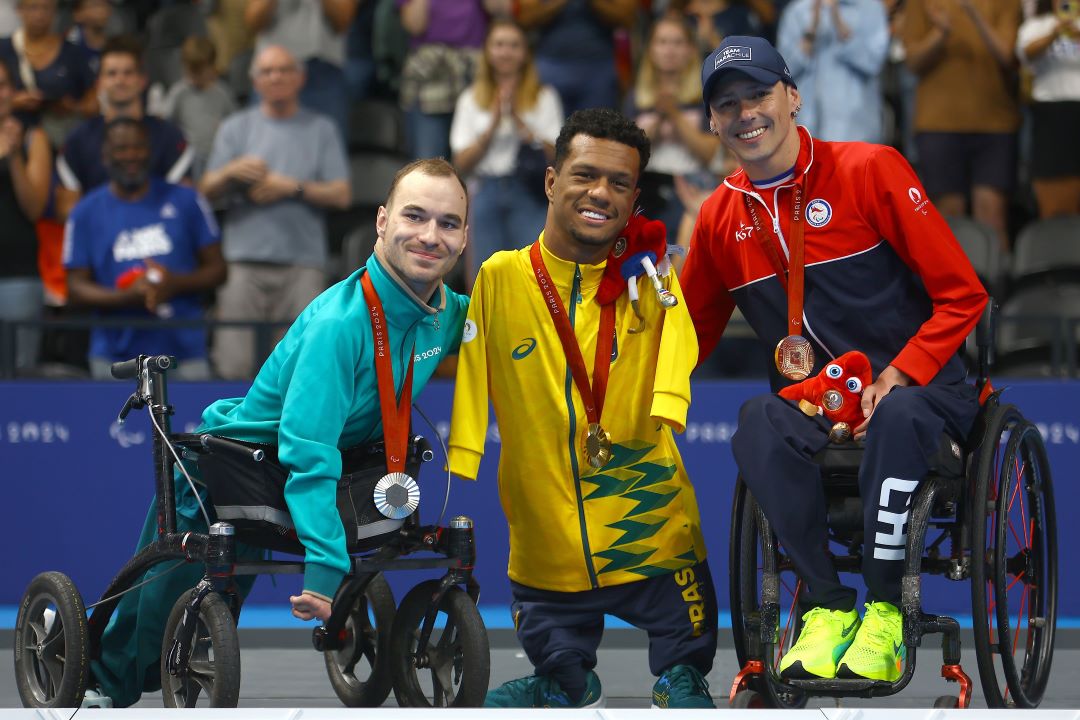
x: 573, y: 528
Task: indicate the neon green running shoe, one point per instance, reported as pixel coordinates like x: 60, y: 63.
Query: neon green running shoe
x: 541, y: 691
x: 878, y: 652
x: 825, y: 636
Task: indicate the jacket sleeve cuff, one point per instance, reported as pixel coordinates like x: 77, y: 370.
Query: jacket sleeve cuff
x: 321, y: 580
x: 670, y: 409
x: 917, y: 364
x: 464, y: 463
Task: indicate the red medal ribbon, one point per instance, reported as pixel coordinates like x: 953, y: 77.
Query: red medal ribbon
x: 592, y: 396
x: 791, y: 278
x: 396, y: 412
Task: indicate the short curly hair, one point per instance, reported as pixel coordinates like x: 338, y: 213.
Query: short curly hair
x: 602, y: 124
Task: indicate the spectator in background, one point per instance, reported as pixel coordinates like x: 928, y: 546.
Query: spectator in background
x: 230, y: 33
x: 1049, y: 44
x: 835, y: 50
x: 446, y: 36
x: 121, y: 82
x: 503, y: 134
x: 666, y: 103
x: 276, y: 167
x: 966, y: 111
x: 575, y: 47
x: 25, y: 166
x: 53, y: 83
x: 89, y: 29
x: 360, y: 52
x: 314, y: 32
x: 714, y: 20
x: 200, y: 102
x: 140, y: 248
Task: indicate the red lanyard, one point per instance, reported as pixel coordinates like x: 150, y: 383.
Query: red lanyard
x: 395, y: 412
x: 792, y: 277
x: 592, y: 396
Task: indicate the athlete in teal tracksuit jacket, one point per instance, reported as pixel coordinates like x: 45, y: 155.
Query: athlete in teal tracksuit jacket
x: 315, y: 395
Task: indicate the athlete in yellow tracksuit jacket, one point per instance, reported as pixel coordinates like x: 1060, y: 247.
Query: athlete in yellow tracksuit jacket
x: 625, y: 539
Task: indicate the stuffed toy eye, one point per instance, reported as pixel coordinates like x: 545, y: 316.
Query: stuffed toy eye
x: 833, y: 371
x: 854, y: 384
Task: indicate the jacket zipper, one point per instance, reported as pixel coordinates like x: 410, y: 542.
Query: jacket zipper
x: 575, y: 294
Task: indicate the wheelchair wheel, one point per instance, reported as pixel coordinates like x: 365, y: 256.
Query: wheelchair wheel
x: 457, y: 658
x: 947, y: 702
x: 1014, y: 562
x: 360, y: 671
x: 213, y: 667
x: 52, y: 642
x: 747, y: 559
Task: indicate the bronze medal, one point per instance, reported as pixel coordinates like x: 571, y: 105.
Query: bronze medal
x: 597, y: 446
x: 841, y: 432
x: 794, y: 357
x: 832, y: 400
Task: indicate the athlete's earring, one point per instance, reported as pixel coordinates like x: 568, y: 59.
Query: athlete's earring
x: 796, y: 113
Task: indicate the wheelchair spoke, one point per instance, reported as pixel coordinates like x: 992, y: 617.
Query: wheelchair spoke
x: 1019, y: 615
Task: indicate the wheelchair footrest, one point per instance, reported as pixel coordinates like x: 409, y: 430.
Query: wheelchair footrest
x: 844, y: 685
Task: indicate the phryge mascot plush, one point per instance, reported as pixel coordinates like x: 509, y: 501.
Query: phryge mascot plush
x: 835, y: 392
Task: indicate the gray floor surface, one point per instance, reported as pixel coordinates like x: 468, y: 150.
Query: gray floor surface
x: 280, y: 669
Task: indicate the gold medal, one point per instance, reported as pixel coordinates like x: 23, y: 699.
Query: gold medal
x: 597, y: 446
x: 809, y: 408
x: 832, y: 400
x: 841, y: 432
x: 795, y: 357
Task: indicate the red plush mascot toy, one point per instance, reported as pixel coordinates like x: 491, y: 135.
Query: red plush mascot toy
x: 835, y: 392
x: 641, y: 249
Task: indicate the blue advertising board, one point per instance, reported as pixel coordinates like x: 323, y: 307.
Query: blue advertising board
x: 77, y: 485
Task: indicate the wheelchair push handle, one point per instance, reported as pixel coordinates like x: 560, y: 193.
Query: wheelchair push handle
x: 128, y: 369
x: 214, y: 443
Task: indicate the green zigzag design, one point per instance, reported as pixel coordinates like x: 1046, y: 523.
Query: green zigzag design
x: 635, y: 530
x: 653, y: 474
x: 624, y: 559
x: 650, y: 500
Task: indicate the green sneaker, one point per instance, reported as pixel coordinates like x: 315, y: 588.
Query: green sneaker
x: 878, y: 652
x: 681, y: 686
x: 826, y: 635
x: 541, y: 691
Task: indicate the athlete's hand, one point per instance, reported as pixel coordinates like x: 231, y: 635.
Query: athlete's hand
x: 309, y: 607
x: 889, y: 378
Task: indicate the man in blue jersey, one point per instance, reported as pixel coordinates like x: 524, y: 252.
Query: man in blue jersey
x: 140, y: 248
x: 316, y: 394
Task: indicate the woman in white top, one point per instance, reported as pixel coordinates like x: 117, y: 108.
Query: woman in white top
x: 503, y: 136
x: 666, y: 104
x: 1049, y: 44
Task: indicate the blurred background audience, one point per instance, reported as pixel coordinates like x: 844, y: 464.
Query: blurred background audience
x: 983, y: 96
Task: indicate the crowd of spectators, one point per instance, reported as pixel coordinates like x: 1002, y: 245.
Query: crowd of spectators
x: 248, y: 103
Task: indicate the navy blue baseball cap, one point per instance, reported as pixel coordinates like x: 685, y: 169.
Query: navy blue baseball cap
x: 754, y: 57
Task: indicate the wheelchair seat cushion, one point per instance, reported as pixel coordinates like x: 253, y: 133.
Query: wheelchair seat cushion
x: 250, y: 495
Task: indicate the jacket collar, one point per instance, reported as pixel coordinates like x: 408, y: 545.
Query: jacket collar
x: 805, y: 160
x: 403, y: 307
x: 562, y: 271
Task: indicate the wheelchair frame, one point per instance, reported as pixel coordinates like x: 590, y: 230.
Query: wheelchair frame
x: 939, y: 495
x: 216, y: 549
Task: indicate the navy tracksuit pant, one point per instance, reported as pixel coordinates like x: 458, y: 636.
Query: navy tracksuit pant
x: 560, y: 631
x: 773, y: 447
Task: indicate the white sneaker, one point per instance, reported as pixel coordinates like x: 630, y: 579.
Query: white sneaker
x: 93, y: 698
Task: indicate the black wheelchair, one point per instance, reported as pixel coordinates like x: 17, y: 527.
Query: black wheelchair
x: 370, y: 646
x: 984, y: 513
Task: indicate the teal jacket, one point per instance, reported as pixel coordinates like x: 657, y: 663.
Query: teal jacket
x: 317, y: 394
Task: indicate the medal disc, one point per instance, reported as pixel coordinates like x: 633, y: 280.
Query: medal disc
x: 396, y: 495
x: 794, y: 358
x: 841, y: 432
x: 597, y: 446
x: 832, y: 400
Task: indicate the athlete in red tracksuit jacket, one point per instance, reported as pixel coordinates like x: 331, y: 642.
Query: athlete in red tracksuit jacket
x: 884, y: 275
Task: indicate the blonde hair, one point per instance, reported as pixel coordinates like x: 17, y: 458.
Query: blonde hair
x: 648, y: 77
x: 484, y: 88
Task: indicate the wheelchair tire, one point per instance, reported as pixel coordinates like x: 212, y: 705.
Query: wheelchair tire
x: 947, y: 702
x: 745, y: 559
x: 457, y: 656
x: 366, y: 643
x: 214, y: 663
x: 748, y: 700
x: 1014, y: 561
x: 52, y: 656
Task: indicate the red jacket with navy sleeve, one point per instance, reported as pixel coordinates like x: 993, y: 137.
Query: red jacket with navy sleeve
x: 884, y: 273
